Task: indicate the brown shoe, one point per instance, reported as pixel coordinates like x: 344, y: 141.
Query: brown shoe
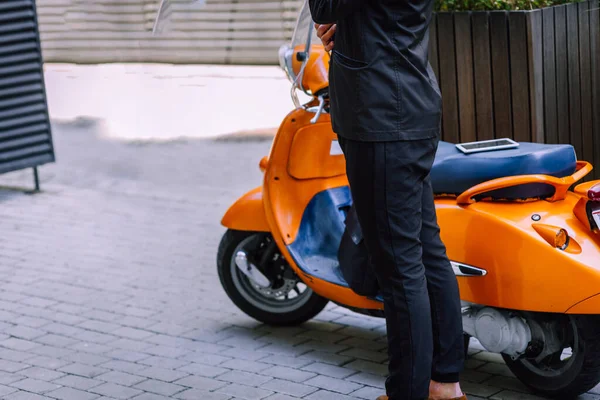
x: 384, y: 397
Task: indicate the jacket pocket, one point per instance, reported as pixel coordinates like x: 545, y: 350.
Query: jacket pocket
x: 348, y: 62
x: 344, y: 87
x: 364, y: 95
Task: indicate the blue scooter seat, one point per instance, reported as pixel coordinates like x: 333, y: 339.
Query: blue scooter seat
x: 453, y: 172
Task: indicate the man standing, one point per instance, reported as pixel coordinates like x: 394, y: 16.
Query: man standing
x: 386, y: 110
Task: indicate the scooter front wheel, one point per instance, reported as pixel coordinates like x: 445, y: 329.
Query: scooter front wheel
x: 572, y: 368
x: 261, y: 283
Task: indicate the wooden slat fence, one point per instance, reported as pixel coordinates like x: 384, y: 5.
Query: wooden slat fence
x: 531, y: 76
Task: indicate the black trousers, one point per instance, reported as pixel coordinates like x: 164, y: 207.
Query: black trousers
x: 391, y: 189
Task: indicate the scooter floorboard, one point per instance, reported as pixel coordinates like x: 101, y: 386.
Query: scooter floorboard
x: 320, y: 233
x: 316, y: 246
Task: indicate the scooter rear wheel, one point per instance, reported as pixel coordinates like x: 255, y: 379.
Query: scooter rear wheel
x: 570, y: 372
x: 287, y: 301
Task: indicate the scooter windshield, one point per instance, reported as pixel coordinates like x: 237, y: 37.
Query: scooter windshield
x: 166, y: 9
x: 304, y: 28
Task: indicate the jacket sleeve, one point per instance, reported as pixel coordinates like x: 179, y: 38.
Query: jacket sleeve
x: 329, y: 11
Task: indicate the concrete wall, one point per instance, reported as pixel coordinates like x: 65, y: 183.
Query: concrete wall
x: 221, y: 32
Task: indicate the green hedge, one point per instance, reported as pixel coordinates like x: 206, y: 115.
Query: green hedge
x: 481, y: 5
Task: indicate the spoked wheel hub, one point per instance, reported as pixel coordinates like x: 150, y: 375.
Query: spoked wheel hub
x: 263, y: 277
x: 260, y: 281
x: 552, y: 350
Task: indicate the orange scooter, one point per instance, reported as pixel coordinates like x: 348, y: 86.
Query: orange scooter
x: 523, y: 240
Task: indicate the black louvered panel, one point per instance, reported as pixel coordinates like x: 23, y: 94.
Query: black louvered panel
x: 25, y: 133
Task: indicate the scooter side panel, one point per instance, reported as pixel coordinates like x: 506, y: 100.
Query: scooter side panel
x: 247, y: 213
x: 524, y: 272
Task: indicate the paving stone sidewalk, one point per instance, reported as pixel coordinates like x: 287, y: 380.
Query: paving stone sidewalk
x: 108, y: 288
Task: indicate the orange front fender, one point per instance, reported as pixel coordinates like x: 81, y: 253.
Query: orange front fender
x: 247, y: 213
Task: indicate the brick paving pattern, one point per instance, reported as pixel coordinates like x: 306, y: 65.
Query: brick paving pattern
x: 108, y: 289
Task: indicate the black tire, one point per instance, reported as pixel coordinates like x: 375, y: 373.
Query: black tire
x: 579, y: 377
x: 312, y: 305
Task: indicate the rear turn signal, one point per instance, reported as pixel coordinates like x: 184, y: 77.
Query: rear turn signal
x: 561, y: 240
x: 558, y: 238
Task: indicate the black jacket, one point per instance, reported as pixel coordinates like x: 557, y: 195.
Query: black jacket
x: 382, y: 86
